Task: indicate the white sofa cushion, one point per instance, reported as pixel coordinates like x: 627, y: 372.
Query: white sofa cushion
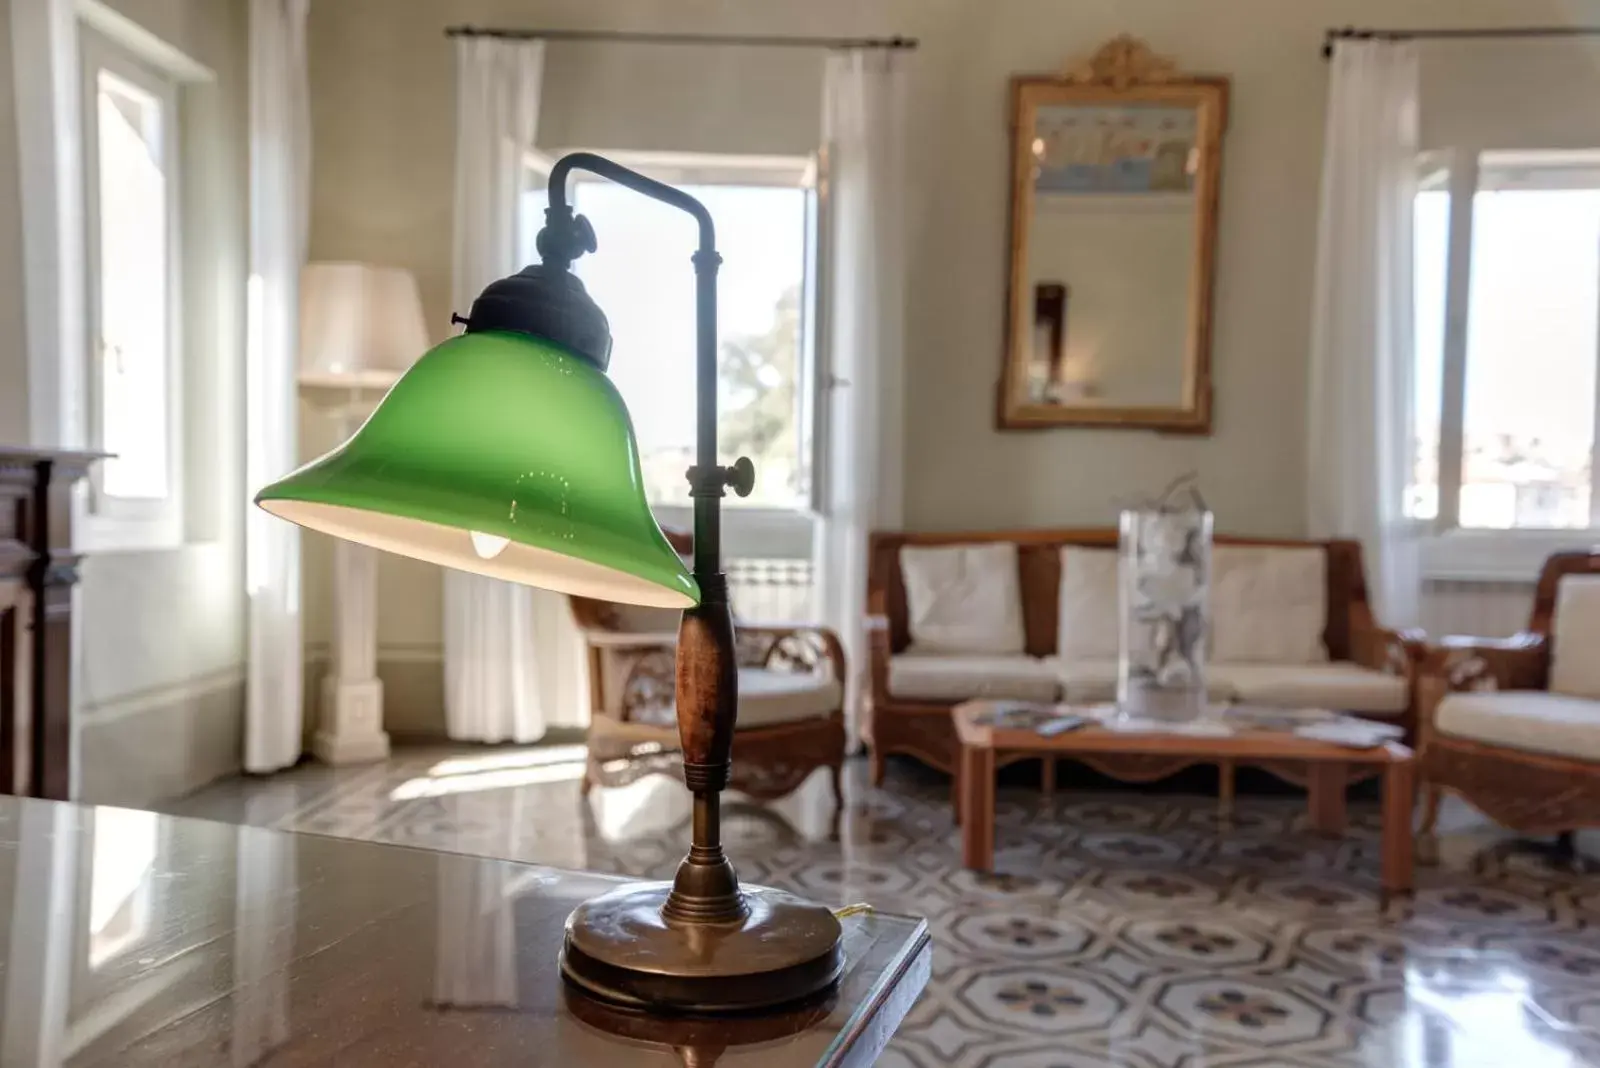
x: 1530, y: 720
x: 1087, y: 604
x: 1341, y: 686
x: 963, y: 598
x: 960, y: 678
x: 1575, y: 644
x: 1088, y: 682
x: 1269, y: 604
x: 768, y: 698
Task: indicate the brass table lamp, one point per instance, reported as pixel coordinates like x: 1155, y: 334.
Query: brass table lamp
x: 506, y: 451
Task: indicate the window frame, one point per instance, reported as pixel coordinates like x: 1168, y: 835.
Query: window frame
x: 1451, y: 551
x: 120, y: 523
x: 750, y: 530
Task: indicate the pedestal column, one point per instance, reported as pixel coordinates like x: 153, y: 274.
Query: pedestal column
x: 350, y: 727
x: 350, y: 730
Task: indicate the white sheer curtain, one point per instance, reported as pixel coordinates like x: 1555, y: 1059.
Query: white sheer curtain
x: 513, y: 657
x: 280, y: 184
x: 1359, y: 412
x: 863, y: 482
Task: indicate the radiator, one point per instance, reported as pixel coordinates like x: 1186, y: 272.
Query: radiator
x: 1486, y: 609
x: 771, y: 590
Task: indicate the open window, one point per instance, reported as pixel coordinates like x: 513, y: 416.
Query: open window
x: 134, y: 375
x: 1507, y: 291
x: 765, y: 209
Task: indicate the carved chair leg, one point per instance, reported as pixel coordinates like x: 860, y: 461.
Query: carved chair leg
x: 1427, y: 838
x: 836, y: 776
x: 1047, y: 777
x: 877, y: 763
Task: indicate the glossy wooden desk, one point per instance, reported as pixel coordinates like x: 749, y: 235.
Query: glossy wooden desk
x: 135, y: 939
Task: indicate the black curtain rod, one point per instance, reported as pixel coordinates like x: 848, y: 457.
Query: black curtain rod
x: 895, y: 43
x: 1352, y: 33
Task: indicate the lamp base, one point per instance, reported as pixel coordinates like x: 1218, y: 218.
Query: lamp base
x: 618, y: 947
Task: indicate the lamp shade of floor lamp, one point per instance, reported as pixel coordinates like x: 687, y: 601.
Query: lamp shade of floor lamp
x: 358, y: 317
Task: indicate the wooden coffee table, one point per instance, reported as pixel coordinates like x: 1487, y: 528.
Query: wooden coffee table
x: 1144, y: 757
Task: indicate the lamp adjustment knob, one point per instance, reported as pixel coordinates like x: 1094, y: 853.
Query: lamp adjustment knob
x: 583, y: 233
x: 741, y: 476
x: 564, y: 237
x: 710, y: 481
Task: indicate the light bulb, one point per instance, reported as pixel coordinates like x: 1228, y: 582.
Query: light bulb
x: 488, y: 546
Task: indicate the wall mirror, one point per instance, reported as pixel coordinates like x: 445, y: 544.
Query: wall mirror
x: 1115, y: 174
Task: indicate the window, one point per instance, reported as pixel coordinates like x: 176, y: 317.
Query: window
x: 643, y: 279
x: 130, y: 201
x: 766, y: 212
x: 1507, y: 276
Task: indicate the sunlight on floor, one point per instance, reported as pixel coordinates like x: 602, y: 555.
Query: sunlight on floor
x: 1487, y: 1011
x: 513, y: 758
x: 495, y: 771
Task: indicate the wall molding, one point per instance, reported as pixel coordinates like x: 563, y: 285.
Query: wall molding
x: 321, y: 652
x: 155, y: 698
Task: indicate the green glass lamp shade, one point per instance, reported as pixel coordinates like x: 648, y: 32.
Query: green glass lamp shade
x: 502, y: 454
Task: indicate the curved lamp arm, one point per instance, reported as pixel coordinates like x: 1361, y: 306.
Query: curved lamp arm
x: 605, y: 168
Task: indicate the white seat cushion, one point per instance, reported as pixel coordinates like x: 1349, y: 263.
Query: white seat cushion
x: 964, y: 598
x: 1529, y: 720
x: 960, y: 678
x: 1086, y: 606
x: 1343, y: 687
x: 1088, y: 682
x: 1269, y: 604
x: 767, y: 698
x: 1575, y: 643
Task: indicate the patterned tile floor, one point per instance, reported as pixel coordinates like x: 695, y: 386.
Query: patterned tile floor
x: 1121, y: 929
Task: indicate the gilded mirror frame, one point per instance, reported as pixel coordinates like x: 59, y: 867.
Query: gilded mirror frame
x: 1123, y: 71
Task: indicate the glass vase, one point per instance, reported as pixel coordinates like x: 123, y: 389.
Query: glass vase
x: 1165, y: 578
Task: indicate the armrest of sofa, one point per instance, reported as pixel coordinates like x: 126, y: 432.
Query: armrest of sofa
x: 639, y: 683
x: 1520, y: 662
x: 1394, y: 652
x: 879, y: 650
x: 1457, y: 663
x: 790, y: 647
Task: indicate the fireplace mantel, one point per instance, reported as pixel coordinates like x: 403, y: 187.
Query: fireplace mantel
x: 38, y: 569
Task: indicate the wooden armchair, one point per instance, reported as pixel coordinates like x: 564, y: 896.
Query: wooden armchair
x: 1512, y: 725
x: 791, y: 698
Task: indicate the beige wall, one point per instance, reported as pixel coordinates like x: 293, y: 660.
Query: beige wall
x: 162, y: 640
x: 383, y: 101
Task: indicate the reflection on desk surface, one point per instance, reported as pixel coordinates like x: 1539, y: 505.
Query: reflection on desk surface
x: 134, y: 938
